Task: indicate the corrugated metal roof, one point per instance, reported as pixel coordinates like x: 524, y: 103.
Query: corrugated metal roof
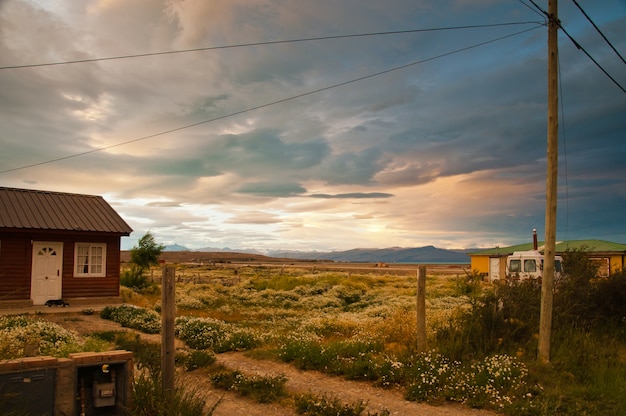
x: 504, y: 250
x: 592, y: 246
x: 44, y: 210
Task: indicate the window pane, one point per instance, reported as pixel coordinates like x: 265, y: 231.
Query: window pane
x: 530, y: 266
x: 90, y: 259
x: 96, y: 259
x: 514, y: 266
x: 82, y: 260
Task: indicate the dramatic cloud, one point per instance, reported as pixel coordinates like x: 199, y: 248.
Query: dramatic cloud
x: 409, y: 139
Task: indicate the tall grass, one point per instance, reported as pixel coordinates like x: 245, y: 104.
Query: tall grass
x: 148, y: 398
x: 363, y: 327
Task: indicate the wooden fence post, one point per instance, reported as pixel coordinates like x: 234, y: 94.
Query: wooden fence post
x: 421, y: 309
x: 168, y: 316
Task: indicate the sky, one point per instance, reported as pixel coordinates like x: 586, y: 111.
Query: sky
x: 326, y: 142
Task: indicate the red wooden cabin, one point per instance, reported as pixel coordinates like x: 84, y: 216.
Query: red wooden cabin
x: 57, y: 245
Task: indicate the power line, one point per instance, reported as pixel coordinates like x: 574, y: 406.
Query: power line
x: 579, y: 46
x: 241, y: 45
x: 592, y: 59
x: 531, y: 9
x: 258, y: 107
x: 599, y: 31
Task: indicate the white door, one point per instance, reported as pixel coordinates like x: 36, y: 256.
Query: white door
x: 494, y: 268
x: 46, y: 282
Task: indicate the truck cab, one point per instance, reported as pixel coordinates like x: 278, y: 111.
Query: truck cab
x: 523, y: 265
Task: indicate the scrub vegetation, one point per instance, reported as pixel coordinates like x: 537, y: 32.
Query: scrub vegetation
x: 482, y: 337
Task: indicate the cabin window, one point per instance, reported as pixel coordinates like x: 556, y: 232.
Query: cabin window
x: 515, y: 266
x: 530, y: 265
x: 90, y: 260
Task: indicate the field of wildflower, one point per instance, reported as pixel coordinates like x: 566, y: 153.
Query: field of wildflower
x: 355, y: 325
x: 482, y: 339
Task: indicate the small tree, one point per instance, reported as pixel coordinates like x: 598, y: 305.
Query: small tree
x: 144, y: 255
x: 147, y: 252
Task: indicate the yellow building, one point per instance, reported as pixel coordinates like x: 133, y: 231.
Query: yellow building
x: 492, y: 262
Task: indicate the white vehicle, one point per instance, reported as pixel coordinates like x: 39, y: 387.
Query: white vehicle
x: 524, y: 265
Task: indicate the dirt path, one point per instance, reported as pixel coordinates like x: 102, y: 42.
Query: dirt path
x: 347, y: 391
x: 298, y: 381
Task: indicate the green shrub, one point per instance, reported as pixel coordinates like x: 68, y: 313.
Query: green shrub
x: 208, y: 333
x: 134, y: 278
x: 196, y: 359
x: 586, y: 299
x: 313, y: 405
x: 349, y: 295
x: 494, y: 383
x: 263, y: 389
x: 225, y: 380
x: 142, y: 319
x: 429, y: 374
x: 609, y: 300
x: 148, y: 400
x: 147, y: 354
x: 306, y: 354
x: 470, y: 285
x: 202, y: 333
x: 23, y: 336
x: 352, y: 358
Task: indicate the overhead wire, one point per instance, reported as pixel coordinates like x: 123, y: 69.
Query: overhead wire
x: 534, y: 10
x: 276, y: 42
x: 592, y: 59
x: 264, y: 43
x: 579, y: 47
x: 260, y: 106
x: 599, y: 31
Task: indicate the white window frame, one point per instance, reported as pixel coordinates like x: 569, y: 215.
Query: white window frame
x: 84, y: 265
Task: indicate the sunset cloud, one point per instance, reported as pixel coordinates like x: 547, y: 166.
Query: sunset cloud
x: 431, y: 137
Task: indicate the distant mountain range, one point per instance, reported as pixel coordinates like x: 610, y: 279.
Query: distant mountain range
x: 426, y: 254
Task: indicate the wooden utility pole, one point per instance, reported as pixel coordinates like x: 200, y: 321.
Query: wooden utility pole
x: 168, y: 316
x: 547, y: 282
x: 421, y: 309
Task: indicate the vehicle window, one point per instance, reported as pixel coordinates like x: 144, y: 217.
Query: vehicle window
x: 530, y: 265
x: 514, y: 265
x: 557, y: 265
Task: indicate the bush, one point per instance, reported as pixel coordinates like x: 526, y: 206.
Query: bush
x: 196, y: 359
x: 430, y: 373
x: 148, y: 400
x: 147, y: 354
x: 134, y: 278
x: 609, y: 300
x: 495, y: 383
x: 208, y: 333
x: 129, y: 316
x: 23, y: 336
x: 352, y: 358
x: 312, y: 405
x: 263, y: 389
x: 582, y: 297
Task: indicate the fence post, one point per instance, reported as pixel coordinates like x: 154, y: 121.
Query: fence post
x: 168, y: 315
x: 421, y: 309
